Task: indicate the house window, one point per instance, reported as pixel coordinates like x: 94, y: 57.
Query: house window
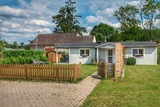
x: 138, y: 52
x: 84, y: 52
x: 110, y: 56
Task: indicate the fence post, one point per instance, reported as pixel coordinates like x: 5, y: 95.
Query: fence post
x: 75, y: 72
x: 57, y: 72
x: 103, y: 69
x: 25, y: 69
x: 106, y: 70
x: 80, y: 70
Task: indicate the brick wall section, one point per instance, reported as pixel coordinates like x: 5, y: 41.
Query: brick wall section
x: 119, y: 59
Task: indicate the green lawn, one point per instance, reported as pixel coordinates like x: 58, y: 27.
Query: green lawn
x: 140, y: 88
x: 88, y: 70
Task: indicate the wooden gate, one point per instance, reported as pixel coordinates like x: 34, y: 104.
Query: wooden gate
x: 106, y: 70
x: 110, y: 70
x: 52, y: 56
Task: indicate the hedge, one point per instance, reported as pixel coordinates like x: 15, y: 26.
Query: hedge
x: 22, y: 56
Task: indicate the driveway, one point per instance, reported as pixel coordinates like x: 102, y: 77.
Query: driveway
x: 43, y: 94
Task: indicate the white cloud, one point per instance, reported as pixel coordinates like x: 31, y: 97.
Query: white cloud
x: 39, y: 22
x: 101, y: 19
x: 89, y: 28
x: 115, y: 25
x: 135, y: 3
x: 92, y: 19
x: 11, y: 25
x: 4, y: 29
x: 157, y: 23
x: 107, y: 11
x: 13, y: 12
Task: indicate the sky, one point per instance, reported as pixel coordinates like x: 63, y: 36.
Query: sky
x: 23, y: 20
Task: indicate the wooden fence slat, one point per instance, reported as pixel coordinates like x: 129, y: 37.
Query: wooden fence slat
x: 34, y: 71
x: 106, y: 70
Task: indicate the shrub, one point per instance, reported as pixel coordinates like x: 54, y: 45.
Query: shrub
x: 22, y: 56
x: 131, y: 61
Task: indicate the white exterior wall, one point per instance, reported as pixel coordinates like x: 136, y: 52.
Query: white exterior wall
x: 149, y: 58
x: 75, y: 58
x: 101, y: 54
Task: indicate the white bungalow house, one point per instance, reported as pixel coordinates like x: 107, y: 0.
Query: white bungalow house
x: 145, y: 52
x: 84, y: 49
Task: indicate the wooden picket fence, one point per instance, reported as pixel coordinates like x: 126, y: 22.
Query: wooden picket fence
x: 106, y: 70
x: 60, y: 72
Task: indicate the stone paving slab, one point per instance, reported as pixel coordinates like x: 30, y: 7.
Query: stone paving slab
x: 42, y: 94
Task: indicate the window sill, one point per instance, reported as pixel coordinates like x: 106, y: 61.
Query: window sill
x: 84, y: 56
x: 139, y: 56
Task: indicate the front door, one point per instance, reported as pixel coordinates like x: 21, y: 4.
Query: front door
x: 110, y: 56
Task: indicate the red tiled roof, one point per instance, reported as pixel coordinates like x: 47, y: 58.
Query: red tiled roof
x: 54, y: 39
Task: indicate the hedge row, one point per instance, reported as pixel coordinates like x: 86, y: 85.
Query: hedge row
x: 18, y: 53
x: 22, y: 57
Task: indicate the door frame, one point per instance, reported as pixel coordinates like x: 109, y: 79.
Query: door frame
x: 106, y: 55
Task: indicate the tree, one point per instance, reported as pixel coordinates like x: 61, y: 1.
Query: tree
x: 66, y: 20
x: 15, y: 45
x: 102, y: 32
x: 150, y: 12
x: 1, y: 45
x: 129, y: 23
x: 21, y: 44
x: 156, y: 33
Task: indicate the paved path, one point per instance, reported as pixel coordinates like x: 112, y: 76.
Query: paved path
x: 42, y: 94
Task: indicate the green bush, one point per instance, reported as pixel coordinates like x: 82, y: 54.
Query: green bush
x: 24, y: 53
x: 131, y: 61
x: 22, y: 56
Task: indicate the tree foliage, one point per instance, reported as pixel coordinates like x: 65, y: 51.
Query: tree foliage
x: 138, y: 28
x: 150, y: 12
x: 15, y: 45
x: 66, y: 20
x: 129, y: 23
x: 103, y: 31
x: 126, y: 15
x: 1, y: 45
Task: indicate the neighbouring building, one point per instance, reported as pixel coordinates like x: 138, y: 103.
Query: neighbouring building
x: 45, y: 42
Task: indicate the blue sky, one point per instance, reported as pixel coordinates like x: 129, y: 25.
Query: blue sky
x: 21, y: 20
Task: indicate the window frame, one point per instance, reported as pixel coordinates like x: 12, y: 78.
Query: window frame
x: 138, y: 55
x: 110, y: 56
x: 85, y: 51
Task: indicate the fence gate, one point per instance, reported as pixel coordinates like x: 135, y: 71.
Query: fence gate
x: 51, y: 56
x: 110, y: 70
x: 106, y: 70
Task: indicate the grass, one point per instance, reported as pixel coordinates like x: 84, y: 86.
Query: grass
x: 88, y: 69
x: 140, y: 88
